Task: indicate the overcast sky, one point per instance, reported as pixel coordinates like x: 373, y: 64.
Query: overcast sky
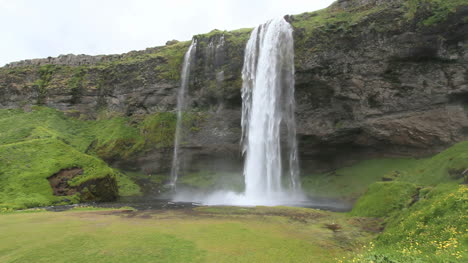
x: 42, y: 28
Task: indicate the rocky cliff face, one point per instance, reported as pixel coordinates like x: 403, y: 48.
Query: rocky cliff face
x: 395, y: 82
x: 373, y: 78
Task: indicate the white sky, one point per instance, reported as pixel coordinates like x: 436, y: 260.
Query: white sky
x: 42, y: 28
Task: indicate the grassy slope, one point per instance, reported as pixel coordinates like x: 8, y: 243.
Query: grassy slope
x: 352, y: 181
x: 445, y: 168
x: 203, y: 235
x: 434, y: 228
x: 425, y: 210
x: 26, y: 166
x: 34, y: 145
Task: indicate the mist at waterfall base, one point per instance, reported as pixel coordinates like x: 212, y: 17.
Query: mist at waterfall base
x: 268, y: 124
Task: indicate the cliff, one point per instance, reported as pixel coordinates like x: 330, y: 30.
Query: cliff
x: 373, y: 78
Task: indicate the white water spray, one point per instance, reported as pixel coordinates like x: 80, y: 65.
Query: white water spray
x: 181, y: 107
x: 268, y: 112
x: 268, y: 122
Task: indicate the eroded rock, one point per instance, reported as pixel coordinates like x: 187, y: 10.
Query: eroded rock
x: 99, y: 189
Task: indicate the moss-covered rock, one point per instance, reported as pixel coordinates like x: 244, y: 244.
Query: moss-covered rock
x: 27, y: 165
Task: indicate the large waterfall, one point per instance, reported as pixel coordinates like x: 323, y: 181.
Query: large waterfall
x: 268, y: 122
x: 271, y: 168
x: 181, y: 107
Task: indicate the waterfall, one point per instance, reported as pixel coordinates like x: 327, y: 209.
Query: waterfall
x: 268, y: 112
x: 181, y: 107
x: 268, y: 124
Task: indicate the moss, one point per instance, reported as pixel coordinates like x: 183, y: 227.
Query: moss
x: 331, y: 19
x: 75, y: 84
x: 27, y: 165
x: 157, y: 179
x: 168, y: 59
x: 320, y: 24
x: 173, y: 57
x: 385, y: 198
x: 45, y: 76
x: 212, y: 33
x: 434, y: 11
x: 437, y: 169
x: 159, y: 128
x: 41, y: 123
x: 51, y: 141
x: 445, y: 167
x: 111, y: 136
x: 351, y: 182
x: 234, y: 37
x: 115, y: 138
x: 127, y: 187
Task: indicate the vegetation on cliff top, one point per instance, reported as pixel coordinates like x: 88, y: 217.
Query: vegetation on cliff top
x: 313, y: 31
x: 319, y: 30
x: 434, y: 11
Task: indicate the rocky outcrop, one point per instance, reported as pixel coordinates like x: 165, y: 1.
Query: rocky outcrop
x: 99, y: 189
x: 387, y: 85
x: 69, y: 60
x: 373, y: 78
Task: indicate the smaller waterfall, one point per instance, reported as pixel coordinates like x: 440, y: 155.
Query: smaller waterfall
x: 181, y: 107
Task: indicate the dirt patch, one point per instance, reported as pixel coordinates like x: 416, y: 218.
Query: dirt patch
x: 293, y: 215
x: 59, y: 181
x: 368, y: 224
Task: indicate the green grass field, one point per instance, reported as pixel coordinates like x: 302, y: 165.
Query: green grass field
x: 211, y: 234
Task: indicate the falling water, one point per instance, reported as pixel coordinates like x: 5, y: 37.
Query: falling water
x: 268, y: 111
x: 268, y: 123
x: 181, y: 106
